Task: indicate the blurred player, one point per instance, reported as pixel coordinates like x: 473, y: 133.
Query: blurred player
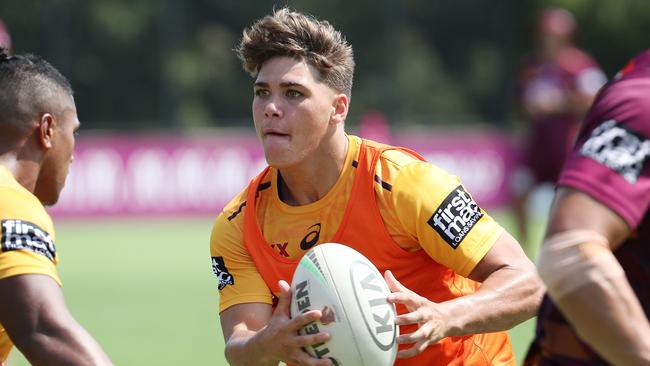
x: 38, y: 119
x: 404, y: 214
x: 595, y: 259
x: 5, y: 37
x: 556, y: 86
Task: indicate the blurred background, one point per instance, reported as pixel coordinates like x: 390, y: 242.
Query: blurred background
x: 167, y: 135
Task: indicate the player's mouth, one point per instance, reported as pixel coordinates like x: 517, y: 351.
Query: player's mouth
x: 272, y: 133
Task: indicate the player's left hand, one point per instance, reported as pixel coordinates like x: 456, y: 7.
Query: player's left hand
x: 427, y: 314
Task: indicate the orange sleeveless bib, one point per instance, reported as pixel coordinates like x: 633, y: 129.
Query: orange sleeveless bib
x: 362, y: 228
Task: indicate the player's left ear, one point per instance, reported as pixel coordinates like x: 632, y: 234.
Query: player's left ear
x: 46, y: 127
x: 340, y: 109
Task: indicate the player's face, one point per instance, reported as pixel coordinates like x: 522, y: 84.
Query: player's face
x: 56, y: 163
x: 292, y: 111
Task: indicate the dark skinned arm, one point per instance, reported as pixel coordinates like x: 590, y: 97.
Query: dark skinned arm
x: 36, y: 318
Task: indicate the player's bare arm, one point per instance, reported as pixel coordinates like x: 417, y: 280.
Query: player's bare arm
x: 622, y: 332
x: 255, y: 335
x: 40, y: 325
x: 510, y: 293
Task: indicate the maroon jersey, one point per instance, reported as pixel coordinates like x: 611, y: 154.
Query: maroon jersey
x: 545, y: 86
x: 610, y: 163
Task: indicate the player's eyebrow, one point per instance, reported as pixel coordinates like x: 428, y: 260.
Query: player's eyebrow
x: 289, y: 84
x: 284, y: 84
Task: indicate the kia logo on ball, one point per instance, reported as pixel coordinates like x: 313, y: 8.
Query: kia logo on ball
x: 378, y: 315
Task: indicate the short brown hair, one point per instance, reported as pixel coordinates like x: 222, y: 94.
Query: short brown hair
x: 293, y: 34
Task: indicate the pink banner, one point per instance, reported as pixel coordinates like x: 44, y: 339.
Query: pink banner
x: 170, y: 175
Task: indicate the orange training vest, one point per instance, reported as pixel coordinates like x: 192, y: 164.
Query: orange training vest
x: 362, y: 228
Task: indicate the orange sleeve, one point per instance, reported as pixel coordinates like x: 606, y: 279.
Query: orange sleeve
x: 27, y: 240
x: 238, y: 280
x: 435, y: 208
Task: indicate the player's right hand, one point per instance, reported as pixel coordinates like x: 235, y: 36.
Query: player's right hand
x: 281, y: 340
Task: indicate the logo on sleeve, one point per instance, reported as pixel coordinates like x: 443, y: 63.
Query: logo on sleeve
x: 618, y: 148
x: 455, y: 217
x: 24, y: 235
x: 219, y: 269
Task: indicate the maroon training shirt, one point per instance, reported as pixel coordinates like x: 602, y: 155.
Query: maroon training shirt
x: 610, y: 163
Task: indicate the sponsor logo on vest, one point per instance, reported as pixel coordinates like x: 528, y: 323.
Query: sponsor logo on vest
x: 219, y: 269
x: 455, y: 217
x: 618, y: 148
x: 377, y: 313
x: 311, y: 238
x: 304, y: 305
x: 24, y: 235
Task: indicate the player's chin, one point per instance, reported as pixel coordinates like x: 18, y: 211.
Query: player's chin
x: 280, y: 159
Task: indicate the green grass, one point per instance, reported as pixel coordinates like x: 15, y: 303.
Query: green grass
x: 145, y: 290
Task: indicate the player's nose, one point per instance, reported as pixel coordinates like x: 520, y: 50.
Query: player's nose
x: 272, y: 109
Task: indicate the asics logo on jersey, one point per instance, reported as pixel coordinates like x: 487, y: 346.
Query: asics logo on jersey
x: 219, y: 269
x: 455, y: 217
x: 24, y: 235
x: 311, y: 238
x: 618, y: 148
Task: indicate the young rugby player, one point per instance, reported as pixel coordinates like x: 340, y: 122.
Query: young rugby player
x: 458, y: 278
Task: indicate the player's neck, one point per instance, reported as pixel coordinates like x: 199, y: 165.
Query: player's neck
x: 24, y: 171
x: 312, y: 180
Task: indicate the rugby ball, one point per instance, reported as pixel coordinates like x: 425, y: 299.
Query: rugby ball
x: 351, y: 292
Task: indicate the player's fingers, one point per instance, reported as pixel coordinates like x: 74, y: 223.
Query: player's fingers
x: 410, y: 300
x: 393, y: 284
x: 308, y: 340
x: 413, y: 317
x: 302, y: 358
x: 284, y: 301
x: 305, y: 318
x: 413, y: 351
x: 407, y: 338
x: 421, y: 334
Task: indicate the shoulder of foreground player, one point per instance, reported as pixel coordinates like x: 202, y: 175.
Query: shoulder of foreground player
x: 397, y: 157
x: 391, y: 162
x: 22, y: 205
x: 27, y: 245
x: 419, y: 180
x: 234, y: 209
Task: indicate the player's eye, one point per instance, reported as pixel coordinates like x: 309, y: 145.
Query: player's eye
x: 291, y: 93
x: 261, y: 93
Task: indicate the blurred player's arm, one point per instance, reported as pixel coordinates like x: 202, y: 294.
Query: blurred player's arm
x: 615, y: 325
x: 38, y: 322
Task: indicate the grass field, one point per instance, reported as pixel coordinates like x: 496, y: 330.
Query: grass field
x: 145, y: 290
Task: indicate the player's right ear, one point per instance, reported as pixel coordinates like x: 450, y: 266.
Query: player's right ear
x: 340, y: 109
x: 46, y: 130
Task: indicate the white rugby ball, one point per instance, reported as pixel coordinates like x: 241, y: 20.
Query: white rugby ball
x: 353, y: 293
